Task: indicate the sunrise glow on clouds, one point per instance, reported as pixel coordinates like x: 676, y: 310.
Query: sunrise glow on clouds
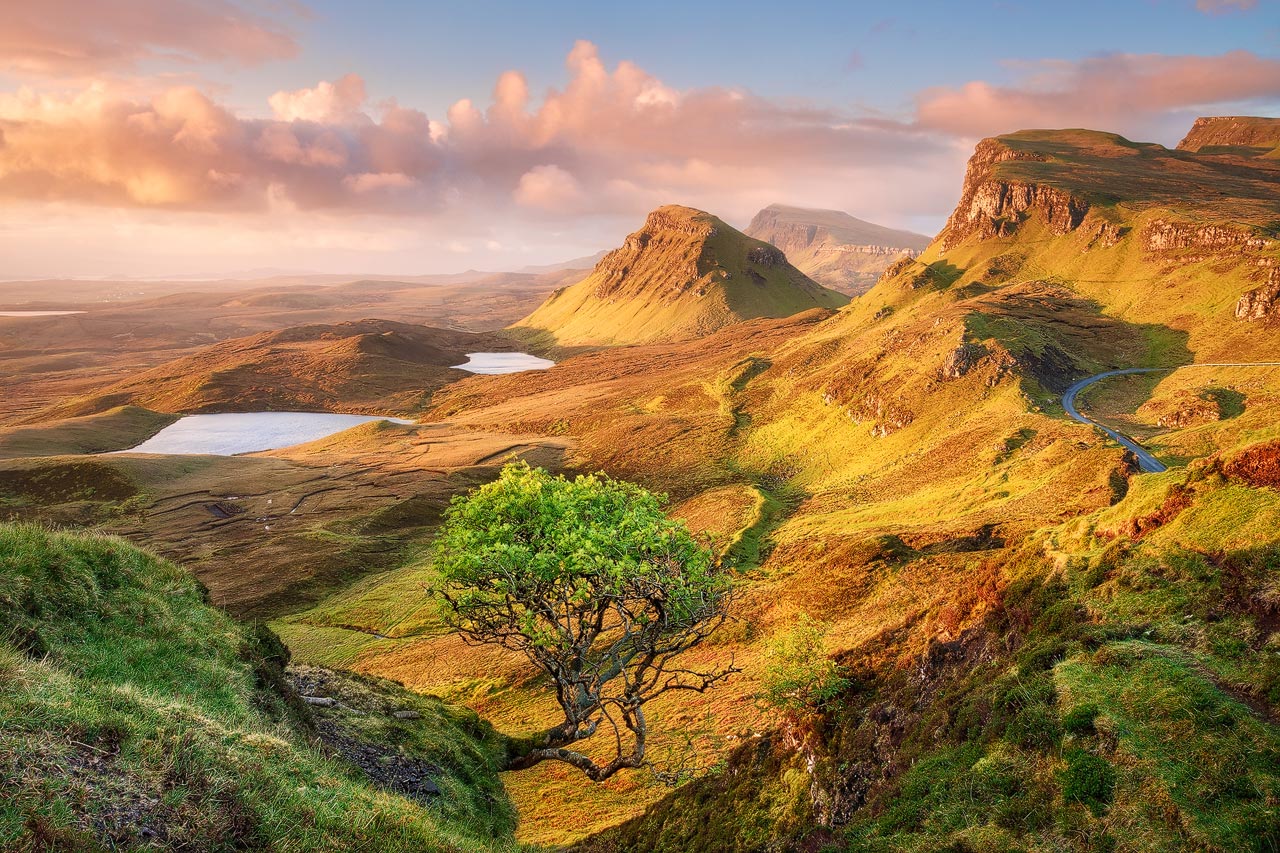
x: 95, y: 143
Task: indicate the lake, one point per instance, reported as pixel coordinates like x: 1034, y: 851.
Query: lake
x: 37, y: 313
x: 503, y: 362
x: 248, y: 432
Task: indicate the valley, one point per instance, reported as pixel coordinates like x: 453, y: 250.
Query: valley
x: 1051, y: 640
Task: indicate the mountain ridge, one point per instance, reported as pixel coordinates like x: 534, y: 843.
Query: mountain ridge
x: 832, y: 247
x: 683, y: 275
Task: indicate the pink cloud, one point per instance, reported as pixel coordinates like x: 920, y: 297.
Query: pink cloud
x: 1222, y: 7
x: 1126, y: 92
x: 59, y: 37
x: 613, y: 140
x: 549, y: 188
x: 339, y: 102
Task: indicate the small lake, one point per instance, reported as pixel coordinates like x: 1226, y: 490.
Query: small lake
x: 503, y: 362
x: 37, y: 313
x: 249, y: 432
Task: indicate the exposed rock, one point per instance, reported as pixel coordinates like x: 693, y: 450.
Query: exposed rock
x: 1178, y: 498
x: 683, y: 275
x: 1186, y: 408
x: 961, y: 360
x: 384, y: 763
x: 1257, y: 465
x: 766, y: 256
x: 1261, y: 303
x: 886, y: 416
x: 994, y: 207
x: 1245, y: 131
x: 835, y: 249
x: 1165, y: 236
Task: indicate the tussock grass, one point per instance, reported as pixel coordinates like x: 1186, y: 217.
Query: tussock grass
x: 130, y: 712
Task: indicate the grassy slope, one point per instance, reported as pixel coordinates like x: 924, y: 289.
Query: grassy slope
x: 385, y: 625
x: 886, y: 474
x: 116, y: 429
x: 370, y: 366
x: 890, y: 467
x: 126, y: 702
x: 1114, y: 695
x: 681, y: 284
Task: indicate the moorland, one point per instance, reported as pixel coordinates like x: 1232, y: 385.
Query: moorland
x: 1042, y: 647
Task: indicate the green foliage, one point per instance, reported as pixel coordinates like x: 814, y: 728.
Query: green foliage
x: 530, y: 537
x: 126, y: 701
x: 594, y: 584
x: 1088, y: 779
x: 799, y: 676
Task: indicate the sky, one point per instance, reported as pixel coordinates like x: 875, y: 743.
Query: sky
x: 207, y: 137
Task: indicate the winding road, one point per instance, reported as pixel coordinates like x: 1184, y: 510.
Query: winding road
x: 1146, y: 462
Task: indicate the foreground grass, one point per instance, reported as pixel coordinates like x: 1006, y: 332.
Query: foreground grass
x: 132, y: 714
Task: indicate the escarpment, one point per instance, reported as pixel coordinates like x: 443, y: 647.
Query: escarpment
x: 833, y: 248
x: 1227, y: 131
x: 992, y: 205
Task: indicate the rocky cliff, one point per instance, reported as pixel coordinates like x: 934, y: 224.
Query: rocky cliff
x: 993, y: 205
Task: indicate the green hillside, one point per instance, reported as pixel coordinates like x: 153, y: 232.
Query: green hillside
x: 684, y: 275
x: 133, y: 715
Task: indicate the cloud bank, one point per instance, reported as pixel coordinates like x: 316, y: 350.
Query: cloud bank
x: 610, y: 144
x: 69, y: 37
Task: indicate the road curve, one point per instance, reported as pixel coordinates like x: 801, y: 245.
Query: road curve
x: 1146, y: 462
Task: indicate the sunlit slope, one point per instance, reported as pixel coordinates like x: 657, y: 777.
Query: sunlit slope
x: 1016, y: 680
x: 369, y: 366
x: 683, y: 275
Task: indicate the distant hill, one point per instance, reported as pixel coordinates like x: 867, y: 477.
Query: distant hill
x: 373, y: 366
x: 683, y: 275
x: 1232, y: 131
x: 833, y: 248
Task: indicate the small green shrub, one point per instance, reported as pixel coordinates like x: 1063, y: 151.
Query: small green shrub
x: 1079, y: 720
x: 798, y: 675
x: 1088, y: 780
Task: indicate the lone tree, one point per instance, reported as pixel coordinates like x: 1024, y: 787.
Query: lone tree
x: 590, y: 580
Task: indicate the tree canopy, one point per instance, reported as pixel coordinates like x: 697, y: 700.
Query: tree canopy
x: 597, y: 586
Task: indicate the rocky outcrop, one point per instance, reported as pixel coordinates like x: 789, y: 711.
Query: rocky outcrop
x: 1185, y: 409
x: 1163, y: 235
x: 991, y: 206
x: 832, y: 247
x: 1261, y: 303
x: 873, y: 406
x: 1230, y: 131
x: 1257, y: 465
x: 766, y: 256
x: 961, y: 360
x: 683, y: 275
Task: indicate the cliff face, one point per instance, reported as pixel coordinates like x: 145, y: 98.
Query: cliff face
x: 1230, y: 131
x: 670, y: 237
x: 835, y: 249
x: 993, y: 206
